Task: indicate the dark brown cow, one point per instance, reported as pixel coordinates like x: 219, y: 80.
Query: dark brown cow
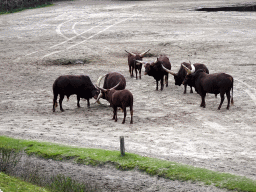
x: 156, y: 70
x: 111, y: 80
x: 71, y: 84
x: 119, y: 98
x: 212, y: 83
x: 180, y: 76
x: 133, y: 65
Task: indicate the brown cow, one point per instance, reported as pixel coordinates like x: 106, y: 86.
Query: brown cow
x: 180, y: 76
x: 133, y: 65
x: 156, y: 70
x: 119, y: 98
x: 212, y: 83
x: 71, y: 84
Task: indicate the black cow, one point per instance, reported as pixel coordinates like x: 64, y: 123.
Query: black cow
x: 156, y: 70
x: 71, y: 84
x: 111, y: 80
x: 212, y: 83
x: 133, y: 65
x: 180, y: 76
x: 119, y: 98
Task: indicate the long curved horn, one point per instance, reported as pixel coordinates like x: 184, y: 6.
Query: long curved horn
x: 115, y: 86
x: 187, y: 69
x: 98, y: 98
x: 99, y: 80
x: 133, y: 54
x: 101, y: 89
x: 193, y: 68
x: 169, y: 71
x: 144, y: 53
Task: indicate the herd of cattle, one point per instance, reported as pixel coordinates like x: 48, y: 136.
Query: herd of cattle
x: 194, y: 75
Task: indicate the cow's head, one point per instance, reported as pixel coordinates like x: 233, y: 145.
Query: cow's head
x: 148, y: 66
x: 105, y: 92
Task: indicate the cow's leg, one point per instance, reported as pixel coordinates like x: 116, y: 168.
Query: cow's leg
x: 166, y: 80
x: 136, y: 71
x: 157, y: 85
x: 228, y: 97
x: 222, y: 99
x: 130, y: 70
x: 203, y: 100
x: 88, y: 102
x: 124, y: 110
x: 55, y: 104
x: 162, y: 83
x: 131, y: 111
x: 140, y: 73
x: 185, y: 88
x: 191, y: 90
x: 60, y: 102
x: 115, y: 113
x: 78, y: 100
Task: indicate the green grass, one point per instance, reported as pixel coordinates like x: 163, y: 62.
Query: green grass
x: 12, y: 6
x: 12, y: 184
x: 18, y: 9
x: 152, y: 166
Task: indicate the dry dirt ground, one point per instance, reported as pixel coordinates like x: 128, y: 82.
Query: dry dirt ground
x: 167, y: 124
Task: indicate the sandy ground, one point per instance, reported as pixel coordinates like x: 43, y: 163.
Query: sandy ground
x: 167, y: 124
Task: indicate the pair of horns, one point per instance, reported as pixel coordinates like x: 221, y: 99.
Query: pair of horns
x: 102, y: 89
x: 141, y: 55
x: 187, y: 69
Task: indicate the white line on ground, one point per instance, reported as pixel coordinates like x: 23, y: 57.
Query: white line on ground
x: 80, y: 34
x: 108, y: 27
x: 100, y: 32
x: 253, y: 97
x: 54, y: 52
x: 58, y: 30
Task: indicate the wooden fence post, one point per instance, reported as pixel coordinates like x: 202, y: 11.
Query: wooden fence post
x: 122, y: 149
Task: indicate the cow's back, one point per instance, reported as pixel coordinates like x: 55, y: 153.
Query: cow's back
x: 112, y: 79
x: 122, y: 97
x: 165, y: 61
x: 201, y: 66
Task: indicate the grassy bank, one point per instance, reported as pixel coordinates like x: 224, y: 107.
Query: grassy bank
x: 152, y: 166
x: 12, y: 184
x: 10, y: 6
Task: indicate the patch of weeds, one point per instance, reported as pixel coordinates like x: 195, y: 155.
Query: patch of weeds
x: 149, y: 54
x: 9, y: 156
x: 164, y: 44
x: 65, y: 61
x: 66, y: 184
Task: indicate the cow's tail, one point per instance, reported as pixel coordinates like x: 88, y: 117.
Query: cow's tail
x: 232, y: 101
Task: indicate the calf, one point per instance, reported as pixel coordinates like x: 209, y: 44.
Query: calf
x: 133, y: 65
x: 212, y: 83
x: 71, y: 84
x: 119, y: 98
x: 156, y: 70
x: 180, y: 76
